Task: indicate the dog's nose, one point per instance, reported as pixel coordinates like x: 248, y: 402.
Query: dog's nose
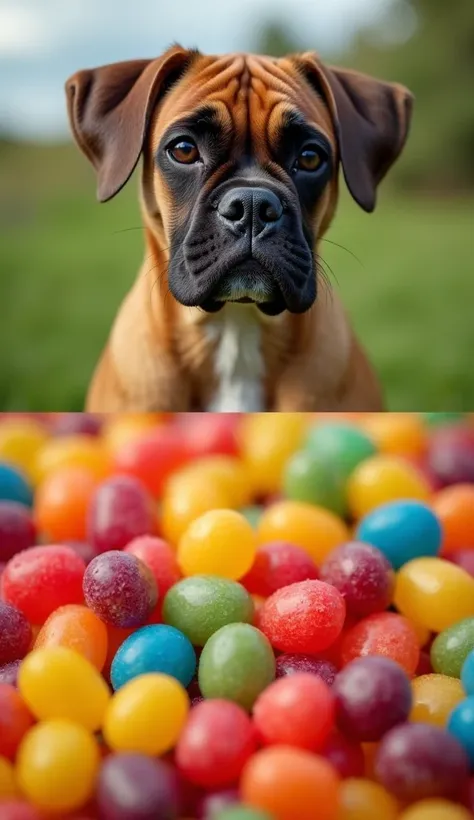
x: 250, y: 209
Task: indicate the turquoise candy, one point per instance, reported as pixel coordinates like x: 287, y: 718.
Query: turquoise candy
x: 451, y: 647
x: 200, y: 605
x: 316, y: 479
x: 344, y: 445
x: 240, y: 812
x: 402, y: 530
x: 14, y: 486
x: 236, y: 664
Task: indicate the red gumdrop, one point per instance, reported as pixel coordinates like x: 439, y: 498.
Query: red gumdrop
x: 215, y: 744
x: 288, y: 664
x: 120, y: 589
x: 362, y: 575
x: 297, y: 710
x: 160, y: 559
x: 15, y: 720
x: 17, y: 529
x: 208, y: 434
x: 120, y: 510
x: 306, y: 617
x: 40, y: 579
x: 20, y: 810
x: 386, y: 634
x: 15, y: 634
x: 347, y: 756
x: 153, y: 458
x: 278, y: 564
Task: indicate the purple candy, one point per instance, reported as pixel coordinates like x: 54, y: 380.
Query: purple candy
x: 417, y: 760
x: 362, y: 575
x: 137, y: 787
x: 451, y: 455
x: 120, y: 589
x: 212, y: 804
x: 120, y: 510
x: 9, y: 673
x: 77, y: 424
x: 17, y: 529
x: 15, y: 634
x: 373, y: 694
x: 290, y: 663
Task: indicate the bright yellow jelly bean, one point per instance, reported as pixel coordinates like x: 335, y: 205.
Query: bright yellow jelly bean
x: 220, y: 542
x: 183, y: 503
x: 435, y: 809
x: 57, y: 765
x: 316, y: 530
x: 57, y: 682
x: 434, y: 696
x: 361, y: 799
x: 77, y: 451
x: 226, y: 472
x: 20, y: 441
x: 381, y: 479
x: 8, y: 787
x: 434, y: 592
x: 268, y: 440
x: 146, y: 715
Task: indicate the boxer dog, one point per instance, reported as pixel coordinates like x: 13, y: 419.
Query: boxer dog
x: 241, y: 155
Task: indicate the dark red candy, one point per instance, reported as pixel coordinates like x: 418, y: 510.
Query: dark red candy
x: 15, y: 634
x: 137, y: 787
x: 17, y: 529
x: 347, y: 756
x: 121, y: 509
x: 288, y: 664
x: 362, y: 575
x: 277, y: 565
x: 120, y: 589
x: 451, y: 454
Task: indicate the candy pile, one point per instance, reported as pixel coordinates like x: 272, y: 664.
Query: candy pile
x: 237, y: 618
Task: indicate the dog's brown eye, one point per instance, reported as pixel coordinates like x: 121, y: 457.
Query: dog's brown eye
x: 309, y: 160
x: 184, y: 152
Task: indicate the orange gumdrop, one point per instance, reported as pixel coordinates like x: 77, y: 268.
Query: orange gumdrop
x: 77, y: 628
x: 61, y: 503
x: 454, y: 507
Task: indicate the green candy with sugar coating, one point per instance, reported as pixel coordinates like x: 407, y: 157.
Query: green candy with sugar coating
x: 451, y: 647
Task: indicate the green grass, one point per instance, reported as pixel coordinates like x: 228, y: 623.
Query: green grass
x: 66, y: 263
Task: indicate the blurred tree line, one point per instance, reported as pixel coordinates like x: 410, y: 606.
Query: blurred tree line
x: 428, y: 45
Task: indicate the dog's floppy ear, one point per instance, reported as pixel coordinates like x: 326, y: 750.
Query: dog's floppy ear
x: 372, y: 119
x: 109, y: 110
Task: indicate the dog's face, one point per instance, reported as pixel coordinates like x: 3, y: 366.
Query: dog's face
x: 241, y: 158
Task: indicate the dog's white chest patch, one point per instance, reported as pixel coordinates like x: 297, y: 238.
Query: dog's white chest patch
x: 238, y: 362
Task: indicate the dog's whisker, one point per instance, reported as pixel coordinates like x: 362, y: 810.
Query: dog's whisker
x: 337, y: 245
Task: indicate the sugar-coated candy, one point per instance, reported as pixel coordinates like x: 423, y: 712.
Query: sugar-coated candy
x: 154, y: 648
x: 362, y: 799
x: 59, y: 752
x: 288, y: 664
x: 120, y: 589
x: 451, y: 647
x: 14, y: 485
x: 434, y: 697
x: 362, y: 575
x: 237, y: 664
x: 315, y: 479
x: 61, y: 503
x: 461, y: 726
x: 76, y: 627
x: 384, y: 633
x: 15, y: 634
x: 220, y: 542
x: 15, y: 720
x: 132, y: 786
x: 346, y: 756
x: 277, y: 565
x: 202, y: 604
x: 119, y: 511
x: 402, y: 530
x: 314, y: 529
x: 50, y: 680
x: 434, y: 592
x: 435, y: 809
x: 416, y: 760
x: 381, y: 479
x: 297, y: 710
x: 17, y: 529
x: 306, y: 617
x: 215, y: 744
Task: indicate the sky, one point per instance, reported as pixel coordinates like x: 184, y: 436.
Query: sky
x: 42, y: 42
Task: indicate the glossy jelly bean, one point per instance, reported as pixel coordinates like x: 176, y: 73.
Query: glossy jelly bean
x: 120, y: 510
x: 362, y: 799
x: 61, y: 503
x: 215, y: 744
x: 40, y: 579
x: 76, y: 627
x: 120, y: 589
x: 362, y: 575
x: 461, y: 726
x: 228, y: 474
x: 306, y: 617
x: 434, y: 697
x: 297, y: 710
x: 451, y: 454
x: 152, y: 700
x: 154, y: 648
x: 136, y: 787
x: 289, y: 663
x: 454, y: 507
x: 467, y: 674
x: 160, y: 559
x: 451, y: 647
x: 59, y: 752
x: 277, y: 565
x: 15, y: 720
x: 49, y: 681
x: 399, y: 434
x: 15, y: 633
x: 240, y: 812
x: 402, y: 530
x: 346, y: 756
x: 343, y: 445
x: 14, y: 485
x: 434, y: 592
x: 220, y: 542
x: 291, y: 784
x: 153, y: 457
x: 267, y: 441
x: 381, y: 479
x: 20, y: 441
x: 416, y: 760
x: 435, y: 809
x: 386, y: 634
x: 314, y: 529
x: 202, y: 604
x: 182, y: 505
x: 237, y: 664
x: 73, y: 424
x: 315, y: 479
x: 72, y: 451
x: 17, y: 529
x: 372, y: 695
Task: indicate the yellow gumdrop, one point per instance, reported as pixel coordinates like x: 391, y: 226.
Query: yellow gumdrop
x: 434, y: 592
x: 220, y: 542
x: 361, y: 799
x: 268, y: 440
x: 315, y: 529
x: 435, y: 809
x: 57, y: 765
x: 77, y: 451
x: 8, y: 787
x: 381, y: 479
x: 434, y: 697
x: 181, y: 505
x: 20, y: 441
x: 146, y: 715
x: 56, y: 682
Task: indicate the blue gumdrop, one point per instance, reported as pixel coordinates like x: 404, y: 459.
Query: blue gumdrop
x: 461, y: 726
x: 154, y: 648
x: 402, y: 530
x: 467, y: 674
x: 14, y: 486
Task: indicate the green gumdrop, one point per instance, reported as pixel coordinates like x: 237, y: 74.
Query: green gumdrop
x: 316, y: 479
x: 236, y: 664
x: 451, y: 647
x: 200, y: 605
x: 253, y: 515
x: 240, y: 812
x: 346, y: 446
x: 440, y: 419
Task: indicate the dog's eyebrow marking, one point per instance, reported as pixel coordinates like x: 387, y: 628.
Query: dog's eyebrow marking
x: 204, y: 119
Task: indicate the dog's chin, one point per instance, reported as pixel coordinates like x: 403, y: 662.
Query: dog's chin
x: 247, y: 284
